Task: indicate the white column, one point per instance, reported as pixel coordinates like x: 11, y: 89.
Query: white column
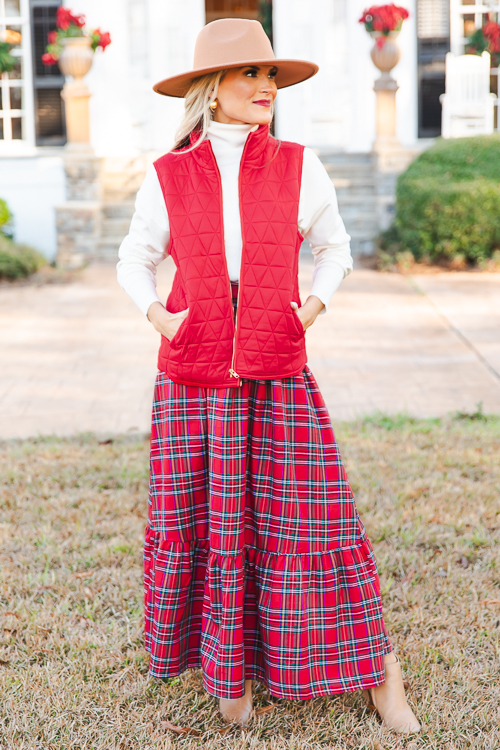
x: 150, y: 40
x: 314, y: 112
x: 28, y: 93
x: 174, y: 26
x: 109, y: 79
x: 456, y: 28
x: 406, y: 74
x: 361, y: 76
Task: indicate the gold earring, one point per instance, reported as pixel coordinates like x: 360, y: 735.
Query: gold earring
x: 213, y: 106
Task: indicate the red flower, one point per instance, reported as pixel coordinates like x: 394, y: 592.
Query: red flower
x: 100, y: 39
x: 52, y: 37
x: 491, y: 28
x: 49, y: 59
x: 491, y: 31
x: 65, y: 18
x: 104, y: 40
x: 384, y: 18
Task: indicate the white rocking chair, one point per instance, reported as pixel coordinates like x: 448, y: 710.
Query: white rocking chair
x: 468, y: 105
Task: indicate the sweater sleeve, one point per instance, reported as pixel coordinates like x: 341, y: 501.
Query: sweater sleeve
x: 145, y: 246
x: 321, y: 224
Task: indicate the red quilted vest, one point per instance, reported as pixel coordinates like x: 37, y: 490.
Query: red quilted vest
x: 268, y: 340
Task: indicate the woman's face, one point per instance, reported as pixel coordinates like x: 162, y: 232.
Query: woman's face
x: 245, y: 95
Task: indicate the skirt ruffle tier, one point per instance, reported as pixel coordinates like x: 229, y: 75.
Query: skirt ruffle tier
x: 304, y: 625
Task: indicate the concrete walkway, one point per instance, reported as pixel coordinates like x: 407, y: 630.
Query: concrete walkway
x: 80, y: 356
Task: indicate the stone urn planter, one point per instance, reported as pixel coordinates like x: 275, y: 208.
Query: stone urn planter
x: 72, y: 44
x: 387, y: 55
x: 76, y: 56
x: 75, y: 61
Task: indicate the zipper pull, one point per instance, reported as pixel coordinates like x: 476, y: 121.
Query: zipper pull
x: 233, y: 373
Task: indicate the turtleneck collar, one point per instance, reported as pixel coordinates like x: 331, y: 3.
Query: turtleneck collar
x: 228, y: 139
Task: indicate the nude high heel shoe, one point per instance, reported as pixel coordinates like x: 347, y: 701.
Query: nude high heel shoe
x: 237, y: 710
x: 390, y: 701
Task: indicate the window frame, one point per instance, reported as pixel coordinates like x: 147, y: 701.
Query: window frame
x: 459, y: 9
x: 26, y: 113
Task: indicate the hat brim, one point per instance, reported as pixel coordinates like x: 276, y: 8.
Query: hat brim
x: 289, y: 73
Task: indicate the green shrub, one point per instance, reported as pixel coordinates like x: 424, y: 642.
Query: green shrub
x: 5, y: 216
x: 18, y: 260
x: 448, y: 202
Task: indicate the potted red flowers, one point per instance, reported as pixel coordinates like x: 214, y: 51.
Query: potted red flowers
x: 72, y: 45
x: 382, y: 21
x: 8, y: 39
x: 486, y: 39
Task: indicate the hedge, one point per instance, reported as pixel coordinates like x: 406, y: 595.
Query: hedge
x: 16, y: 260
x: 5, y: 215
x: 448, y: 201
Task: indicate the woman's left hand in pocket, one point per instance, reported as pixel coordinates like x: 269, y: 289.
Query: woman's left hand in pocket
x: 309, y: 311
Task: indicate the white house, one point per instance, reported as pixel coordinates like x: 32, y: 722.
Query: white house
x: 151, y: 39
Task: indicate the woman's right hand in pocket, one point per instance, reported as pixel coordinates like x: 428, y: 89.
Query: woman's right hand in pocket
x: 165, y: 322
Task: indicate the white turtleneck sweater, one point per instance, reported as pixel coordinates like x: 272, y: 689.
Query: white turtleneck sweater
x: 319, y: 222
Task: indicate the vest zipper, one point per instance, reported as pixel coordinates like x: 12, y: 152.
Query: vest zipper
x: 238, y: 311
x: 232, y: 371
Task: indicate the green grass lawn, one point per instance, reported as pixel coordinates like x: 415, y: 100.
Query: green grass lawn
x: 73, y: 670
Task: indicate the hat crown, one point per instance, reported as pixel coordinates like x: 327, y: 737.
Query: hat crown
x: 230, y: 40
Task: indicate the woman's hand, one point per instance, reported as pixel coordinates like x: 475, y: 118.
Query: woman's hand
x: 165, y: 322
x: 309, y: 311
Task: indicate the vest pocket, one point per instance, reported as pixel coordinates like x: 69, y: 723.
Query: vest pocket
x: 177, y: 335
x: 298, y: 323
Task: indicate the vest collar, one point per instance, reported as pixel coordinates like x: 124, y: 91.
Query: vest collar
x: 254, y: 149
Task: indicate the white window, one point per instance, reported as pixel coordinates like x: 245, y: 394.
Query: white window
x: 466, y: 16
x: 16, y: 98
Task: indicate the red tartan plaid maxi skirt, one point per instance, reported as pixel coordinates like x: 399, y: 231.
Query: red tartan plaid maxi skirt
x: 256, y: 563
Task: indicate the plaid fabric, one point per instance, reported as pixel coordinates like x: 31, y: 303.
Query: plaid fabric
x: 257, y: 565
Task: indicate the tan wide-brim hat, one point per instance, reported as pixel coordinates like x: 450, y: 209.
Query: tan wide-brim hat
x: 232, y: 43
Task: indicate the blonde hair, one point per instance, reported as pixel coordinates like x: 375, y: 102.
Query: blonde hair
x: 197, y: 113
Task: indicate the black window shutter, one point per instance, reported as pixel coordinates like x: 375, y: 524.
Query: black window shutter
x: 50, y: 127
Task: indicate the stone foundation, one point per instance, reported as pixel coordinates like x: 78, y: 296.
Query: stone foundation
x: 78, y: 220
x: 78, y: 226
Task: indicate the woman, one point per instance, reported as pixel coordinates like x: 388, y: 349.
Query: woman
x: 257, y: 565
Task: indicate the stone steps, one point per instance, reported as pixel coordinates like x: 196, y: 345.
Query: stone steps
x: 118, y: 209
x: 121, y: 177
x: 332, y: 156
x: 355, y: 182
x: 115, y: 227
x: 107, y: 248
